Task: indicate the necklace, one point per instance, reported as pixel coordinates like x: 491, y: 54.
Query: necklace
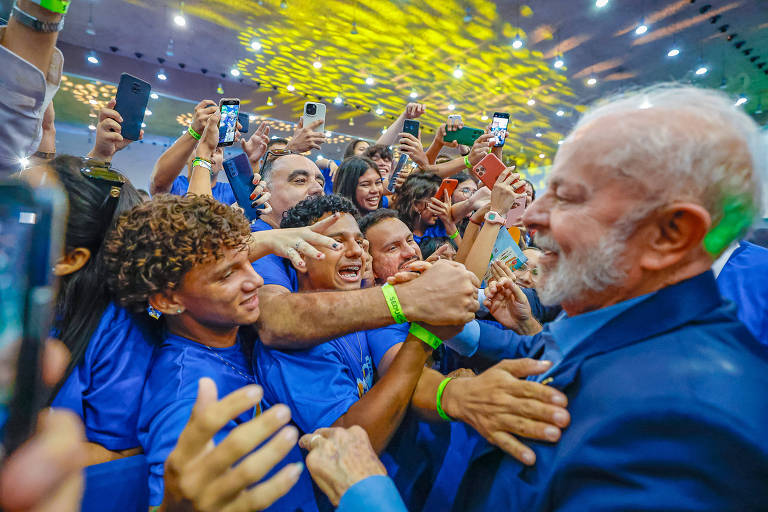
x: 248, y: 378
x: 359, y: 345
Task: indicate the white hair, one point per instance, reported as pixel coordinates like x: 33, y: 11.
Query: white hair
x: 716, y: 157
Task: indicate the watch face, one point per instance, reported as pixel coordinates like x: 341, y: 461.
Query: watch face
x: 491, y: 216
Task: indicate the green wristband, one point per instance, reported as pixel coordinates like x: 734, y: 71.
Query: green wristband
x: 438, y: 401
x: 466, y: 162
x: 58, y: 6
x: 455, y: 235
x: 193, y: 133
x: 425, y: 336
x: 395, y: 309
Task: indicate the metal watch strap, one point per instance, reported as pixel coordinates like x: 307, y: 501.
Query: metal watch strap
x: 35, y: 24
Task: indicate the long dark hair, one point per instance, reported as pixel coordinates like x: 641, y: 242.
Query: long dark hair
x: 348, y: 175
x: 83, y: 295
x: 417, y: 186
x: 350, y: 151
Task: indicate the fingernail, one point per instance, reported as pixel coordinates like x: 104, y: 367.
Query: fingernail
x: 254, y: 392
x: 319, y: 256
x: 253, y: 196
x: 559, y: 400
x: 290, y: 433
x: 552, y: 433
x: 296, y: 469
x: 283, y: 413
x: 560, y: 417
x: 529, y: 457
x: 545, y: 364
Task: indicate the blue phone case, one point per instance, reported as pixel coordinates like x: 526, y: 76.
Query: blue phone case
x: 131, y: 103
x: 240, y: 176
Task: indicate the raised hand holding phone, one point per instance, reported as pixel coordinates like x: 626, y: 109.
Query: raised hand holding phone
x: 305, y: 137
x: 109, y: 138
x: 131, y: 103
x: 229, y: 107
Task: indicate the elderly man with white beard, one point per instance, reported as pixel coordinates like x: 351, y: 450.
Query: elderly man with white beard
x: 665, y: 386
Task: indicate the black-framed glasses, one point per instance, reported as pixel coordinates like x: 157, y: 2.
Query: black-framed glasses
x: 272, y: 154
x: 102, y: 173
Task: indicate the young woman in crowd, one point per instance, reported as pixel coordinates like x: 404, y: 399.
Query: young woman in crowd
x: 358, y: 180
x: 424, y: 214
x: 357, y: 147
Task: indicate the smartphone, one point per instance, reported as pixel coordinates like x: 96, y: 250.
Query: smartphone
x: 312, y: 112
x: 448, y: 185
x: 488, y: 170
x: 32, y: 223
x: 240, y: 176
x: 398, y: 168
x: 230, y: 108
x: 131, y: 103
x: 412, y: 127
x: 499, y: 127
x: 466, y: 136
x: 244, y: 120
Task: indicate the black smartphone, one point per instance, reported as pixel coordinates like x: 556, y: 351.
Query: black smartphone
x: 240, y: 176
x: 398, y: 168
x: 131, y: 103
x: 499, y: 127
x: 244, y: 120
x: 32, y: 224
x: 230, y: 108
x: 412, y: 127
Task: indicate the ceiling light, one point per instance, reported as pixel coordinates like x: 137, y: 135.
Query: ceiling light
x: 161, y: 75
x: 91, y: 127
x: 559, y: 62
x: 219, y: 89
x: 354, y: 28
x: 269, y: 101
x: 674, y: 52
x: 484, y: 118
x: 180, y: 20
x: 154, y: 96
x: 147, y: 112
x: 451, y: 107
x: 379, y: 111
x: 369, y: 81
x: 542, y: 155
x: 458, y: 73
x: 702, y: 70
x: 592, y: 81
x: 742, y: 100
x: 539, y: 135
x: 601, y: 3
x: 641, y: 29
x: 531, y: 102
x: 92, y: 58
x: 467, y: 15
x: 317, y: 64
x: 328, y: 134
x: 337, y: 100
x: 383, y: 131
x: 560, y: 113
x: 256, y: 46
x: 517, y: 43
x: 414, y: 94
x: 234, y: 72
x: 291, y: 88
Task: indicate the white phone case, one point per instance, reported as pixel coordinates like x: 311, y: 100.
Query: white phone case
x: 311, y: 118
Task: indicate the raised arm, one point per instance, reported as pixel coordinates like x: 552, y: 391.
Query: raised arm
x: 175, y: 158
x: 479, y: 150
x: 200, y: 179
x: 412, y: 111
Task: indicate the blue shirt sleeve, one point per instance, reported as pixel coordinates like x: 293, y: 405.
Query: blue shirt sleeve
x: 222, y: 192
x: 316, y: 384
x: 381, y: 340
x: 497, y: 343
x: 374, y: 494
x: 275, y: 270
x: 180, y: 186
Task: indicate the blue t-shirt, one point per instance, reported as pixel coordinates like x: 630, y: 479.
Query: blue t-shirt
x: 320, y: 384
x: 105, y: 388
x: 382, y: 339
x: 744, y: 281
x: 274, y: 269
x: 170, y: 394
x: 221, y: 191
x: 437, y: 230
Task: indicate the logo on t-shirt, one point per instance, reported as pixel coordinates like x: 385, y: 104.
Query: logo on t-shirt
x: 364, y: 385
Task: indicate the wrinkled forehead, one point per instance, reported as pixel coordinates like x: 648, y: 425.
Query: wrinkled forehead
x: 284, y: 166
x: 386, y: 232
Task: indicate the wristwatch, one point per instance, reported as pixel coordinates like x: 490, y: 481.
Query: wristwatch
x: 35, y: 24
x: 495, y: 218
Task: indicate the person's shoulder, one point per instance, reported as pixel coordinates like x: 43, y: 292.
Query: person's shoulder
x: 120, y: 330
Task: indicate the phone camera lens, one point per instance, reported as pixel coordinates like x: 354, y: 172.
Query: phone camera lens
x: 311, y: 109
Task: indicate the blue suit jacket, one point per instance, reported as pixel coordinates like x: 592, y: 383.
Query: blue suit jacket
x: 668, y: 412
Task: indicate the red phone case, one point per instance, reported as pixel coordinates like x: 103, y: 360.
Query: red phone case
x: 449, y: 185
x: 488, y: 170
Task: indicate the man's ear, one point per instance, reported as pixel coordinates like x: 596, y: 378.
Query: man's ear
x: 676, y: 231
x: 167, y: 303
x: 71, y: 262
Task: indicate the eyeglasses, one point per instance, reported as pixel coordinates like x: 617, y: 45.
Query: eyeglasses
x: 101, y: 172
x: 272, y: 155
x: 467, y: 191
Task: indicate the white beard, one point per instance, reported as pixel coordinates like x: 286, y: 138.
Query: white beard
x: 590, y: 270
